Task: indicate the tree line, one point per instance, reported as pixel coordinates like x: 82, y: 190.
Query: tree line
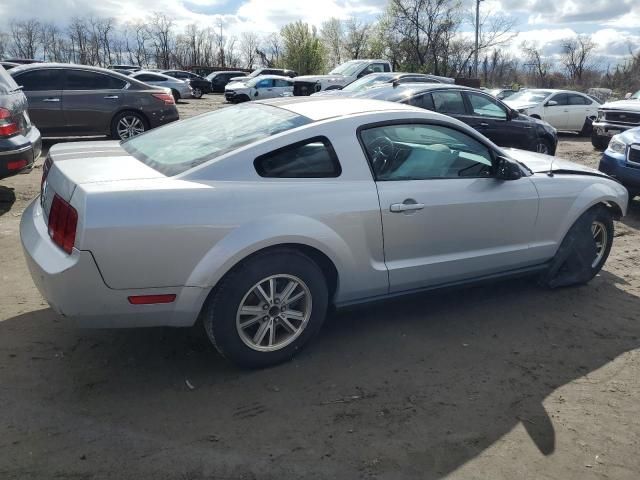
x: 428, y: 36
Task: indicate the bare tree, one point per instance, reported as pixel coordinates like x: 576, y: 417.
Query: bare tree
x: 332, y: 34
x: 248, y: 48
x: 539, y: 67
x: 576, y: 56
x: 26, y: 38
x: 162, y: 38
x: 356, y: 37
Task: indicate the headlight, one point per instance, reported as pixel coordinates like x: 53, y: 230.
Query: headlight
x: 617, y: 146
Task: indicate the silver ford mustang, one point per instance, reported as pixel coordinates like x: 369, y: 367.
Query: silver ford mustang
x: 254, y: 219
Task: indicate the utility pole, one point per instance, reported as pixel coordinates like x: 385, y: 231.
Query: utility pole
x: 475, y: 60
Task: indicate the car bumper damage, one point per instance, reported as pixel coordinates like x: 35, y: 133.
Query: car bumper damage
x: 19, y: 153
x: 74, y: 288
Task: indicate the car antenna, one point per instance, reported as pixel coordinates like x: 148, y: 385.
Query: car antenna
x: 550, y: 172
x: 396, y: 82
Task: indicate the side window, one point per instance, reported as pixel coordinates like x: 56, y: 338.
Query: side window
x: 376, y: 67
x: 266, y: 83
x: 387, y: 67
x: 578, y: 100
x: 485, y: 107
x: 146, y: 77
x: 282, y: 83
x: 561, y: 98
x: 313, y: 158
x: 83, y: 80
x: 421, y: 101
x: 40, y: 80
x: 447, y: 101
x: 421, y: 152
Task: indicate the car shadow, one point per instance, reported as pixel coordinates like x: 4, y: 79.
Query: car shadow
x: 7, y: 199
x: 414, y: 387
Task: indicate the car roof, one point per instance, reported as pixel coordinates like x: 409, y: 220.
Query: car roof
x: 276, y: 77
x: 322, y: 108
x: 160, y: 74
x: 387, y: 91
x: 35, y: 66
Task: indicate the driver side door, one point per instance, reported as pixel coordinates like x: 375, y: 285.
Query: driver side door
x: 445, y: 217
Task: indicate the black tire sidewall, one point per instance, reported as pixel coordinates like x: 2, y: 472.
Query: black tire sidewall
x: 220, y: 317
x: 602, y: 215
x: 544, y: 141
x: 118, y: 117
x: 199, y: 91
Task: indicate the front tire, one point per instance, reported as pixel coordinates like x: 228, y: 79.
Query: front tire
x: 599, y: 142
x: 267, y: 308
x: 583, y: 251
x: 543, y: 145
x: 176, y: 95
x: 197, y: 93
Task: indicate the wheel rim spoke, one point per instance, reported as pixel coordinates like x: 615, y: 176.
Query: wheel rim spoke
x: 600, y: 239
x: 265, y: 320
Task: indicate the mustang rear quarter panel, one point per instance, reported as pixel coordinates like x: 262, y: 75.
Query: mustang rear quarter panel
x: 192, y: 229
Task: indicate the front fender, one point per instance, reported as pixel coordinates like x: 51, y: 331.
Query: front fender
x: 275, y: 230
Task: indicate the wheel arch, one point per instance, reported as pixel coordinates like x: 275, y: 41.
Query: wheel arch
x: 132, y: 110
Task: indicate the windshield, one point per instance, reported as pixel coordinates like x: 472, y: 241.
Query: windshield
x: 366, y: 82
x: 636, y: 95
x: 180, y: 146
x: 530, y: 96
x: 347, y: 69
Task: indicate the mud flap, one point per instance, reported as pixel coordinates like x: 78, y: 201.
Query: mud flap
x: 572, y: 263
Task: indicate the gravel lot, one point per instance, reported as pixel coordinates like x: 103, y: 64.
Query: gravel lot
x: 495, y: 382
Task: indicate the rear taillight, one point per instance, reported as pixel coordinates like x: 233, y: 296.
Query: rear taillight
x: 45, y: 171
x: 8, y: 124
x: 16, y: 165
x: 165, y: 97
x: 63, y: 220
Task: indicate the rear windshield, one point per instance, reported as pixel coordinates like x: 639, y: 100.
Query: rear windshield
x: 7, y: 83
x: 179, y: 146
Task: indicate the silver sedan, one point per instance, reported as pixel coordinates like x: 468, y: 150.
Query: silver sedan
x: 256, y: 218
x: 179, y: 88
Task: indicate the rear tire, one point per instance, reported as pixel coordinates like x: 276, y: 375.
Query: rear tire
x: 176, y: 95
x: 583, y: 251
x: 197, y: 93
x: 598, y: 142
x: 236, y: 335
x: 128, y: 124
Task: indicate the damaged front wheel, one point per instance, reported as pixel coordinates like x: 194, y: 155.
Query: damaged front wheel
x: 583, y: 251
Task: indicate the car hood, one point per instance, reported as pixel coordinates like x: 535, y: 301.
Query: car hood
x: 622, y: 105
x: 540, y: 163
x: 630, y: 136
x: 331, y: 93
x: 520, y: 105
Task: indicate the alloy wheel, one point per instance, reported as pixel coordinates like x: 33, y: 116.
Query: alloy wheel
x: 274, y: 312
x: 600, y: 237
x: 129, y: 126
x: 197, y: 93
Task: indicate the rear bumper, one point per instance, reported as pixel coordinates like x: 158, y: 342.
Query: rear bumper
x: 618, y: 168
x: 73, y: 285
x: 163, y: 116
x: 19, y: 152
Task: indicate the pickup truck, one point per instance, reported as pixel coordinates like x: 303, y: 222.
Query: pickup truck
x: 339, y: 77
x: 614, y: 118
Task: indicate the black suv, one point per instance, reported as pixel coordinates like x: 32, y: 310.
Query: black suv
x: 199, y: 84
x: 488, y: 115
x: 219, y: 80
x: 20, y: 142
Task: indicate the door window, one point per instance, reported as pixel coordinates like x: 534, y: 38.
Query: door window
x: 420, y: 152
x: 561, y: 99
x: 313, y: 158
x: 266, y: 83
x: 41, y: 80
x: 146, y: 77
x: 83, y: 80
x: 421, y: 101
x: 484, y: 106
x: 449, y: 102
x: 578, y: 100
x: 282, y: 83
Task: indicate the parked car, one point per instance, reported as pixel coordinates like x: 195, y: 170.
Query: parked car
x: 9, y: 65
x: 77, y: 100
x: 20, y: 143
x: 283, y: 72
x: 374, y: 79
x: 179, y: 88
x: 340, y: 76
x: 614, y: 118
x: 123, y: 72
x: 488, y: 115
x: 621, y: 160
x: 265, y: 214
x: 199, y: 85
x: 564, y: 109
x: 502, y: 93
x: 129, y: 68
x: 219, y: 80
x: 264, y: 86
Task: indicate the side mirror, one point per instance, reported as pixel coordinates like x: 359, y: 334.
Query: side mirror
x: 507, y: 170
x: 513, y: 114
x: 551, y: 103
x: 255, y: 94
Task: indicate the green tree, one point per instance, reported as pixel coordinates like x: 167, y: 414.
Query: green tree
x: 303, y: 50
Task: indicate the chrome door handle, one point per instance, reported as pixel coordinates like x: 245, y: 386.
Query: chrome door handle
x: 112, y: 97
x: 484, y: 124
x: 51, y: 100
x: 406, y: 207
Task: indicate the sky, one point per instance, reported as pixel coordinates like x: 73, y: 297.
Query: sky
x: 613, y: 24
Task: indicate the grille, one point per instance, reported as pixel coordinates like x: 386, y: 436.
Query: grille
x: 634, y: 154
x: 623, y: 117
x: 303, y: 89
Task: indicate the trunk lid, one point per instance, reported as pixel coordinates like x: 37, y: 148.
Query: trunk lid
x: 75, y: 163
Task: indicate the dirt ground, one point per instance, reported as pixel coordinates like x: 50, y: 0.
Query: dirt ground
x: 495, y: 382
